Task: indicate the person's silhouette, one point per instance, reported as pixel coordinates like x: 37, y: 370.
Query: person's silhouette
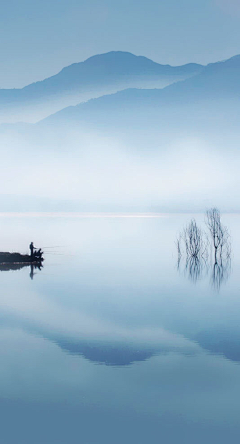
x: 32, y: 248
x: 32, y: 272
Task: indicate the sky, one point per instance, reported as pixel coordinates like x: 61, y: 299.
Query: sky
x: 38, y: 38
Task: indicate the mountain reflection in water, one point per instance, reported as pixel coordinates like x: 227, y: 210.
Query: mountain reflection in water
x: 111, y: 334
x: 216, y: 342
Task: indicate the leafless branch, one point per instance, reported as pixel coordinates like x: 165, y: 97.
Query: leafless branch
x: 219, y: 234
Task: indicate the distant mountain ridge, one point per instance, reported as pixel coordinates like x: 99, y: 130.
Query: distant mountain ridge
x: 216, y: 82
x: 119, y: 80
x: 159, y: 150
x: 115, y: 63
x: 96, y: 76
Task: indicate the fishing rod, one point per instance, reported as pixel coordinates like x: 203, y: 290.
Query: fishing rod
x: 57, y: 246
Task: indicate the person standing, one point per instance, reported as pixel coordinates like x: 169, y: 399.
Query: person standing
x: 32, y: 248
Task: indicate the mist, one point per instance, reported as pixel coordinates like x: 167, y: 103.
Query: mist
x: 79, y: 171
x: 174, y: 149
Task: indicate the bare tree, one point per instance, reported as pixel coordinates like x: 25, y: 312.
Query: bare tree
x: 219, y: 234
x: 194, y: 240
x: 195, y: 245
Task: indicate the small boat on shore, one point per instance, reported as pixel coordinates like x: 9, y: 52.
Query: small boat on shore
x: 17, y: 258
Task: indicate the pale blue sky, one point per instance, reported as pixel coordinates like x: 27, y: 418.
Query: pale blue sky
x: 38, y: 38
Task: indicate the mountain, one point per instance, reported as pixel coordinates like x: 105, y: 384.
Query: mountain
x: 170, y: 149
x: 96, y: 76
x: 213, y: 93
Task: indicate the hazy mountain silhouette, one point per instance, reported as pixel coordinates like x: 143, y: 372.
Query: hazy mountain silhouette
x: 93, y: 138
x: 206, y: 99
x: 98, y: 75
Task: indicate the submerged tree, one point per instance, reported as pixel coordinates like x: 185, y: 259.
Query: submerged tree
x: 219, y: 234
x: 195, y: 245
x: 193, y: 240
x: 192, y: 243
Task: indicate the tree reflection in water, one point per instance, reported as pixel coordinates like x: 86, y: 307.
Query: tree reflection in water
x: 220, y: 273
x: 195, y: 269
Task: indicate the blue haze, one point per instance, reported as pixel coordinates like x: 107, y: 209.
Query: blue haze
x: 111, y: 334
x: 37, y: 39
x: 115, y: 341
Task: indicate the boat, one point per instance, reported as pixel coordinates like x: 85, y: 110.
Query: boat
x: 18, y: 259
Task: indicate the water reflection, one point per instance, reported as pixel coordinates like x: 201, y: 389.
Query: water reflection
x: 216, y: 341
x: 15, y: 267
x: 34, y: 267
x: 221, y: 341
x: 224, y: 343
x: 195, y: 268
x: 198, y: 268
x: 220, y: 273
x: 120, y: 354
x: 111, y: 325
x: 108, y: 354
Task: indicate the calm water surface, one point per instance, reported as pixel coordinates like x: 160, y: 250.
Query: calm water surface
x: 112, y: 342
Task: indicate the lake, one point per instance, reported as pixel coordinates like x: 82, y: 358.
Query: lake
x: 113, y: 341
